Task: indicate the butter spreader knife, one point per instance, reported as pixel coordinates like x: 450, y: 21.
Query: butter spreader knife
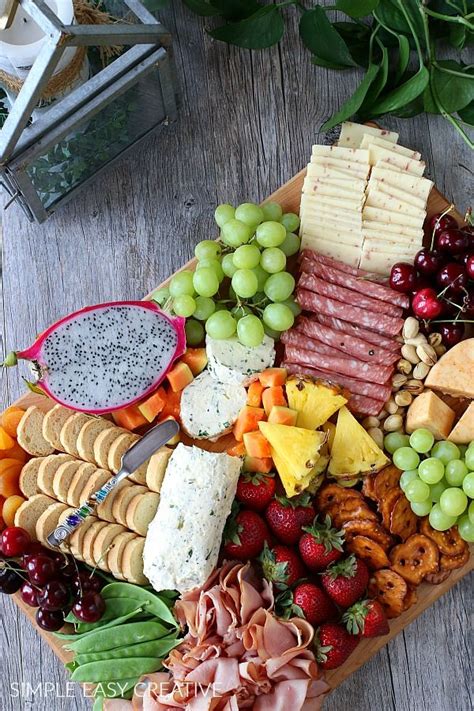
x: 131, y: 460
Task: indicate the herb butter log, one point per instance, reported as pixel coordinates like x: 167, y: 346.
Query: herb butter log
x: 183, y: 540
x: 229, y: 361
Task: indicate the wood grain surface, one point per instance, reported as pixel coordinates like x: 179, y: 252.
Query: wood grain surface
x: 246, y: 125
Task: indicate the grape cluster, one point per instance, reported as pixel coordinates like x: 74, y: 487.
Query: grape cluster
x: 240, y: 285
x: 437, y: 479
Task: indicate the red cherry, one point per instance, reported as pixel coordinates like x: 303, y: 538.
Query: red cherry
x: 29, y: 594
x: 41, y: 569
x: 436, y: 223
x: 470, y: 266
x: 425, y: 304
x: 451, y: 241
x: 453, y: 276
x: 54, y: 596
x: 402, y: 277
x: 421, y: 282
x: 14, y: 541
x: 451, y: 333
x: 428, y: 261
x: 90, y: 607
x: 49, y: 620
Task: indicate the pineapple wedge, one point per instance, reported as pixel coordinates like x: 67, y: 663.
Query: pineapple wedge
x: 353, y: 452
x: 295, y: 452
x: 314, y: 400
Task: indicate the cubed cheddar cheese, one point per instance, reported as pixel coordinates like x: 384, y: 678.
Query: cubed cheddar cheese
x: 429, y: 411
x: 452, y: 374
x: 463, y: 431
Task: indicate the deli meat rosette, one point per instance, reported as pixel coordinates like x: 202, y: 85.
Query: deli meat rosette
x: 236, y: 653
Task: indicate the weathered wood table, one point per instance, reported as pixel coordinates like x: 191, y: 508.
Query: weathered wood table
x: 246, y: 125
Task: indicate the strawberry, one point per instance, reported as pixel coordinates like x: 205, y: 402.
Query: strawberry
x: 346, y: 581
x: 334, y: 645
x: 367, y: 618
x: 286, y: 517
x: 281, y: 566
x: 255, y: 490
x: 245, y: 534
x: 311, y: 602
x: 321, y: 545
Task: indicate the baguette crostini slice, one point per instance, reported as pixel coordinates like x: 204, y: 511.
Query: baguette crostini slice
x: 30, y: 433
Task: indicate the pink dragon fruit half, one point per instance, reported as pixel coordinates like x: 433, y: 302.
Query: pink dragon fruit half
x: 105, y: 357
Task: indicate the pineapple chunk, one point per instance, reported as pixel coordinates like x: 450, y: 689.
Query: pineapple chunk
x: 354, y: 452
x: 295, y: 452
x: 315, y: 401
x: 330, y: 430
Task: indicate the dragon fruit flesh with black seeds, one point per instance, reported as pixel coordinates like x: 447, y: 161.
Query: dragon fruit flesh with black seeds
x: 105, y: 357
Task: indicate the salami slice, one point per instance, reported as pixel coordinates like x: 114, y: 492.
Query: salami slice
x: 335, y: 291
x: 361, y: 286
x: 318, y: 303
x: 391, y: 296
x: 361, y: 405
x: 350, y: 345
x: 390, y: 344
x: 297, y: 337
x: 356, y: 387
x: 296, y: 347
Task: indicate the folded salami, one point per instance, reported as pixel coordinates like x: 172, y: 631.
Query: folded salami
x: 350, y: 345
x: 390, y: 344
x: 297, y: 337
x: 317, y: 303
x: 360, y: 405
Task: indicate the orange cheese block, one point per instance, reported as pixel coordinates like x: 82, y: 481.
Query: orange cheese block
x: 429, y: 411
x: 463, y: 431
x: 452, y: 374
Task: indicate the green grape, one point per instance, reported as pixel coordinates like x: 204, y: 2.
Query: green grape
x: 205, y: 281
x: 182, y: 283
x: 462, y: 450
x: 466, y: 529
x: 247, y: 256
x: 431, y: 470
x: 395, y: 440
x: 456, y: 470
x: 437, y: 489
x: 204, y: 308
x: 232, y: 294
x: 417, y: 491
x: 262, y: 277
x: 273, y: 260
x: 272, y: 211
x: 290, y: 221
x: 453, y: 501
x: 249, y: 213
x: 223, y: 213
x: 279, y: 287
x: 250, y: 331
x: 234, y: 233
x: 221, y: 324
x: 406, y: 458
x: 220, y: 306
x: 439, y: 520
x: 469, y: 458
x: 278, y: 317
x: 244, y: 283
x: 194, y: 332
x: 291, y: 244
x: 184, y: 305
x: 421, y: 440
x: 239, y: 312
x: 270, y: 234
x: 421, y: 509
x: 294, y: 307
x: 407, y: 477
x: 228, y: 266
x: 271, y: 332
x: 445, y: 451
x: 470, y: 512
x: 161, y: 296
x: 468, y: 485
x: 212, y: 264
x: 207, y: 249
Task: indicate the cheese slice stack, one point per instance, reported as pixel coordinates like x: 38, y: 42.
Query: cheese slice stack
x: 364, y: 200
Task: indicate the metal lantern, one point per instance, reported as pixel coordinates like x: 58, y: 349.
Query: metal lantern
x: 49, y: 152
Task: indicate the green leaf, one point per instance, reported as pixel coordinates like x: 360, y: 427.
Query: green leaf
x: 233, y: 10
x: 453, y: 92
x: 201, y: 7
x: 389, y: 14
x: 320, y: 62
x: 357, y: 39
x: 467, y: 114
x: 357, y: 8
x: 322, y: 38
x: 457, y: 35
x: 403, y: 57
x: 379, y: 82
x: 403, y: 94
x: 414, y: 108
x: 262, y: 29
x: 353, y: 104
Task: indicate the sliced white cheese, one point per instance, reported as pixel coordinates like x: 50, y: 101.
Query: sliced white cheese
x: 229, y: 361
x: 353, y: 186
x: 336, y: 235
x: 396, y: 229
x: 393, y: 161
x: 332, y: 202
x: 316, y: 170
x: 353, y: 133
x: 379, y: 262
x: 376, y: 198
x: 209, y: 408
x: 183, y: 540
x: 386, y: 216
x: 351, y: 219
x: 347, y: 154
x: 347, y: 253
x: 369, y: 140
x: 418, y: 186
x: 393, y: 237
x: 401, y: 195
x: 386, y: 247
x: 358, y: 169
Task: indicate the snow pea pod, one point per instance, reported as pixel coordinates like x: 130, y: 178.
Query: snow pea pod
x: 156, y: 606
x: 108, y: 625
x: 115, y: 607
x: 115, y: 669
x: 132, y: 633
x: 150, y: 648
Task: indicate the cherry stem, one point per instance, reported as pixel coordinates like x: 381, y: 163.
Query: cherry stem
x: 441, y: 293
x: 451, y: 321
x: 448, y: 209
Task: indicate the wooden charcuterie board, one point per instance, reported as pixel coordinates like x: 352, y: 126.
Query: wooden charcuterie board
x: 289, y: 197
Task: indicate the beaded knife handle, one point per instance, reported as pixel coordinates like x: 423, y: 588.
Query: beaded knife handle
x: 131, y: 460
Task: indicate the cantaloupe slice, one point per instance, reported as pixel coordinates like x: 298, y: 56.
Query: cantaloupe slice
x: 314, y: 401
